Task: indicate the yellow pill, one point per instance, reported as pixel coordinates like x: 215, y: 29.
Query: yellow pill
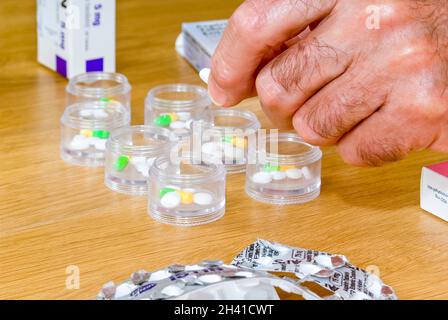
x: 286, y: 168
x: 87, y: 133
x: 174, y: 116
x: 239, y: 142
x: 186, y: 197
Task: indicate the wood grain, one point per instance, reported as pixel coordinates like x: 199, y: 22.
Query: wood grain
x: 53, y: 215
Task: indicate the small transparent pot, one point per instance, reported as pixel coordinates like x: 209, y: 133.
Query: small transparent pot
x: 175, y: 106
x: 131, y: 151
x: 226, y: 139
x: 110, y: 88
x: 85, y: 128
x: 186, y: 193
x: 286, y: 170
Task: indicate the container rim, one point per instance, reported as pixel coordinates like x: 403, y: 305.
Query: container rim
x: 123, y: 87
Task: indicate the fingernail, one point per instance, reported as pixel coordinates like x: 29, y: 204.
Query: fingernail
x: 217, y: 95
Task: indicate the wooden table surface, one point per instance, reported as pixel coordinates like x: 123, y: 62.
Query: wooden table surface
x: 53, y: 215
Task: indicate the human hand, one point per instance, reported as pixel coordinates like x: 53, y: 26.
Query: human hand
x: 369, y: 76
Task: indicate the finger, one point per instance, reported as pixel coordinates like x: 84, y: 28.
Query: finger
x: 292, y: 78
x: 340, y: 106
x: 254, y: 30
x: 388, y: 135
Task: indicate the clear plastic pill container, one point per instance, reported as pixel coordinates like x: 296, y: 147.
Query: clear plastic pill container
x: 131, y: 151
x: 110, y: 88
x: 226, y: 138
x: 86, y: 126
x: 287, y: 170
x: 175, y: 106
x: 184, y: 193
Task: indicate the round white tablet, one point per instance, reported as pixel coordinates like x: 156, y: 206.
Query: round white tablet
x: 170, y: 200
x: 177, y: 125
x: 79, y: 143
x: 203, y: 198
x: 294, y: 173
x: 262, y: 178
x: 100, y: 144
x: 278, y: 175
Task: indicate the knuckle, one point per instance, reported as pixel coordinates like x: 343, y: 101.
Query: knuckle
x: 377, y: 152
x: 250, y: 17
x: 269, y: 94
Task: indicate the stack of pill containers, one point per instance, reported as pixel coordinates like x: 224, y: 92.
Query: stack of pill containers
x: 131, y: 151
x: 98, y: 103
x: 175, y: 106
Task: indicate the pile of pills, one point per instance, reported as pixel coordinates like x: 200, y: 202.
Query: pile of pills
x: 141, y: 164
x: 174, y: 121
x: 229, y: 150
x: 271, y: 173
x: 90, y: 138
x: 173, y: 197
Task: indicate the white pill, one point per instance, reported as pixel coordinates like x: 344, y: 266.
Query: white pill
x: 176, y: 125
x: 230, y: 152
x: 294, y: 173
x: 212, y: 148
x: 307, y: 173
x: 86, y: 113
x: 262, y: 178
x: 210, y: 278
x: 202, y: 198
x: 172, y: 291
x: 79, y: 142
x: 124, y: 289
x: 204, y: 74
x: 184, y: 116
x: 159, y: 275
x: 143, y: 169
x: 278, y: 175
x: 138, y: 161
x: 170, y: 200
x: 100, y: 114
x: 100, y: 144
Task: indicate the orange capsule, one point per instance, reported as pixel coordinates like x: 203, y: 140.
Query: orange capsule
x: 186, y: 197
x: 285, y: 168
x: 239, y: 142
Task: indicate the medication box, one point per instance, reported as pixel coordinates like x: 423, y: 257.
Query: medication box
x: 76, y: 36
x: 434, y: 190
x: 198, y: 41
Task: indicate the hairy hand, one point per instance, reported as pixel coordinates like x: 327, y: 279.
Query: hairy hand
x: 370, y: 76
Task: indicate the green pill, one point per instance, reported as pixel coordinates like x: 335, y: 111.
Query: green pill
x: 227, y: 139
x: 270, y: 168
x: 102, y: 134
x: 121, y: 163
x: 164, y: 191
x: 105, y: 100
x: 163, y: 121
